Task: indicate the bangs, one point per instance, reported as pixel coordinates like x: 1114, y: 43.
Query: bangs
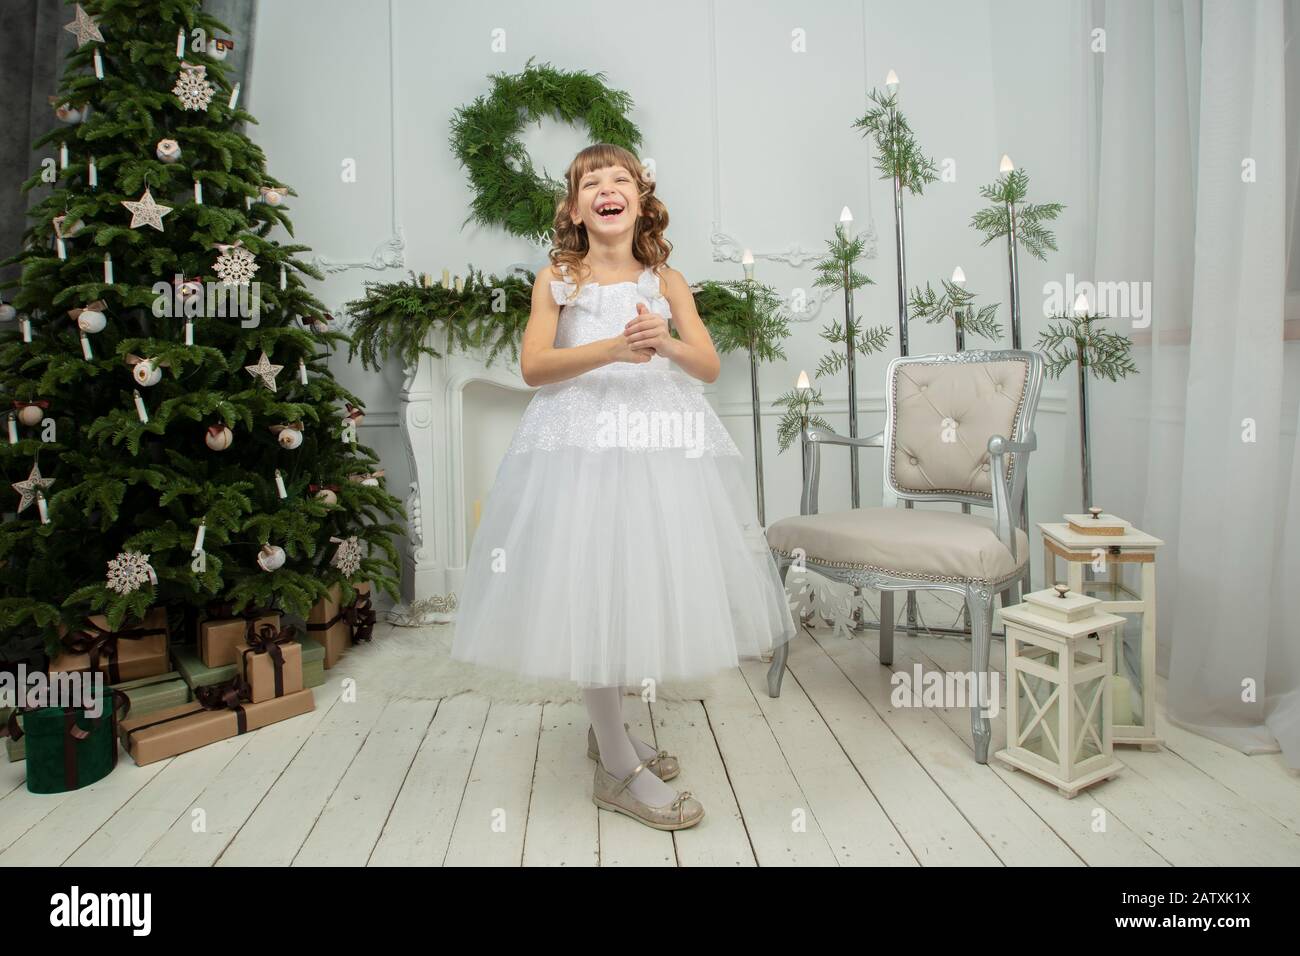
x: 598, y: 156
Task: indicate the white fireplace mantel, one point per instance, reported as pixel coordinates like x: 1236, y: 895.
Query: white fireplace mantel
x: 432, y: 411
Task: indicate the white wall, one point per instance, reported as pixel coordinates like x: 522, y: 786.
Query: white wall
x: 750, y: 139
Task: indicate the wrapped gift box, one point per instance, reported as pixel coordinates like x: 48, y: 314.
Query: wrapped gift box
x: 15, y: 750
x: 270, y: 668
x: 336, y: 624
x: 217, y: 639
x: 197, y: 674
x: 178, y: 730
x: 66, y: 749
x: 137, y: 650
x: 361, y: 616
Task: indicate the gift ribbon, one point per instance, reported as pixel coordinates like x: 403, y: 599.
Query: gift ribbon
x: 361, y: 615
x: 94, y: 644
x: 229, y: 695
x: 268, y: 640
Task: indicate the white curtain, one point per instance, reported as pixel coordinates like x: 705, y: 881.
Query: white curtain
x: 1196, y: 159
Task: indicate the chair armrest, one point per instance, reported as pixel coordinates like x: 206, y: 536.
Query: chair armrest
x: 1008, y: 495
x: 813, y: 437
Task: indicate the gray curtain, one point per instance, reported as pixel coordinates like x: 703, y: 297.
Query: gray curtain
x: 35, y: 45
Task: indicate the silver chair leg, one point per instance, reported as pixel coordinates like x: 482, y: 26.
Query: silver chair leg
x: 886, y: 627
x: 980, y: 605
x: 777, y: 669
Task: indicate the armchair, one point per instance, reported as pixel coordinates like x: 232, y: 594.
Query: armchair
x: 958, y: 428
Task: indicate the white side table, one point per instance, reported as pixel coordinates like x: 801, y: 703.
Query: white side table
x: 1113, y: 552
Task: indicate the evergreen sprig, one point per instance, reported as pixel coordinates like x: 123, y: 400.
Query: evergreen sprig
x: 994, y: 221
x: 897, y: 151
x: 798, y: 404
x: 838, y: 270
x: 742, y: 315
x: 956, y: 304
x: 1071, y: 339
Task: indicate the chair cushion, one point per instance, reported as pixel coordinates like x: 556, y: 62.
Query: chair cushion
x: 942, y: 545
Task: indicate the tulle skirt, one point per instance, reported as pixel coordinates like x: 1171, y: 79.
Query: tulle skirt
x: 612, y: 566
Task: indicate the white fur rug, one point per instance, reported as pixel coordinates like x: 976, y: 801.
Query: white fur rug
x: 415, y: 662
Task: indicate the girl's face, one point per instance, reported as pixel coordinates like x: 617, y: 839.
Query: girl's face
x: 608, y: 202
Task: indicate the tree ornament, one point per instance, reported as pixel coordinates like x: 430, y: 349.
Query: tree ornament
x: 320, y: 323
x: 85, y: 28
x: 192, y: 87
x: 326, y: 494
x: 354, y: 415
x: 146, y: 212
x: 31, y: 414
x: 264, y: 371
x: 90, y: 319
x: 272, y: 195
x: 69, y: 113
x: 147, y: 372
x: 130, y: 571
x: 168, y: 150
x: 27, y: 490
x: 289, y: 436
x: 271, y: 557
x: 368, y: 478
x: 348, y: 556
x: 218, y: 437
x: 235, y: 265
x: 219, y: 47
x: 7, y: 312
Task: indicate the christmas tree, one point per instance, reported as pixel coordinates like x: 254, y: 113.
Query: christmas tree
x: 176, y: 438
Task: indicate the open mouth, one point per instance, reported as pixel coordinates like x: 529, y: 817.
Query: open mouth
x: 609, y: 210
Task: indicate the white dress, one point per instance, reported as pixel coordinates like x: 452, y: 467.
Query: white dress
x: 620, y: 541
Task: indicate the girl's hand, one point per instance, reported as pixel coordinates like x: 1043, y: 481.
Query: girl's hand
x: 649, y: 332
x: 621, y: 351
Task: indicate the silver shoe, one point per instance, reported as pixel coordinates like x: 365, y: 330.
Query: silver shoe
x: 610, y: 793
x: 663, y: 764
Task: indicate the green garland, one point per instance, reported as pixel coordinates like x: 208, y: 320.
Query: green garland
x: 489, y: 313
x: 508, y: 192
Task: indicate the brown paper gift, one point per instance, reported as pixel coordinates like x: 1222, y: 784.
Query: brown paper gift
x: 328, y: 624
x: 137, y: 650
x: 217, y: 639
x: 166, y: 733
x: 270, y: 663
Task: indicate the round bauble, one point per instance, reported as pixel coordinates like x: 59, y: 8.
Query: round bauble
x: 7, y: 312
x: 147, y: 373
x: 218, y: 49
x: 91, y: 321
x: 31, y: 415
x: 271, y: 557
x: 290, y: 438
x: 168, y: 150
x: 219, y: 437
x: 327, y: 497
x: 272, y: 195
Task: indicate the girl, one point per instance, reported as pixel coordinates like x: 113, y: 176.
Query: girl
x: 619, y: 545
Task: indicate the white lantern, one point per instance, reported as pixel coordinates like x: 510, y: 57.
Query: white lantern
x: 1060, y: 650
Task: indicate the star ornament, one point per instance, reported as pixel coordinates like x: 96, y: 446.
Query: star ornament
x: 146, y: 212
x: 27, y: 489
x: 84, y: 28
x: 264, y: 371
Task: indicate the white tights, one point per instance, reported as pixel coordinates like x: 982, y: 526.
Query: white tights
x: 618, y: 753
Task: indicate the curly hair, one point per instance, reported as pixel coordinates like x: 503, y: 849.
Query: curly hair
x: 649, y: 246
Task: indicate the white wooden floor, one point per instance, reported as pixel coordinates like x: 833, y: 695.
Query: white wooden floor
x: 826, y: 774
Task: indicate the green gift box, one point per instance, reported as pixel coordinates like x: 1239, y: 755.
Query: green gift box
x: 66, y: 749
x: 149, y: 694
x: 197, y: 674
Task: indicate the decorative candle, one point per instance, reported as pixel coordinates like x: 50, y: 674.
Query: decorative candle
x: 803, y: 381
x: 40, y: 506
x: 747, y: 261
x: 302, y: 371
x: 63, y: 250
x: 26, y: 326
x: 234, y: 96
x: 189, y: 330
x: 958, y: 276
x: 108, y: 269
x: 1081, y: 304
x: 279, y: 485
x: 180, y: 43
x: 1121, y: 700
x: 13, y: 429
x: 139, y: 407
x: 85, y: 347
x: 63, y: 156
x: 93, y: 174
x: 846, y: 217
x: 284, y: 278
x: 446, y: 279
x: 199, y: 536
x: 198, y: 192
x: 99, y: 65
x: 460, y: 284
x: 1006, y: 165
x: 891, y: 81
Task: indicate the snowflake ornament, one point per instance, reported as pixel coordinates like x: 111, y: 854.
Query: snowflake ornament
x: 130, y: 571
x: 192, y: 87
x: 348, y: 557
x: 235, y: 265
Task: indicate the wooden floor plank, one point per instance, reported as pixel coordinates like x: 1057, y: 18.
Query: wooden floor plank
x: 623, y: 841
x: 562, y: 822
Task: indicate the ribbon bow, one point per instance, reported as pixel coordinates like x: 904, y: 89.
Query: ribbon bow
x: 228, y: 695
x: 360, y: 615
x: 94, y: 640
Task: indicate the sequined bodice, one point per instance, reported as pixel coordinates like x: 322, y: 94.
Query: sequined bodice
x: 598, y: 311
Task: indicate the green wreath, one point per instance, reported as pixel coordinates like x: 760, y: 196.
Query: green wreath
x: 508, y: 192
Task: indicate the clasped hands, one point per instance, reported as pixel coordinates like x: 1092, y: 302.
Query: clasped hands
x: 646, y: 336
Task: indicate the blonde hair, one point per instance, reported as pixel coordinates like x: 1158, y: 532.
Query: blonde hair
x: 649, y: 246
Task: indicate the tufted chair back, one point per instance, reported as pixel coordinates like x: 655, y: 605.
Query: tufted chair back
x: 941, y: 412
